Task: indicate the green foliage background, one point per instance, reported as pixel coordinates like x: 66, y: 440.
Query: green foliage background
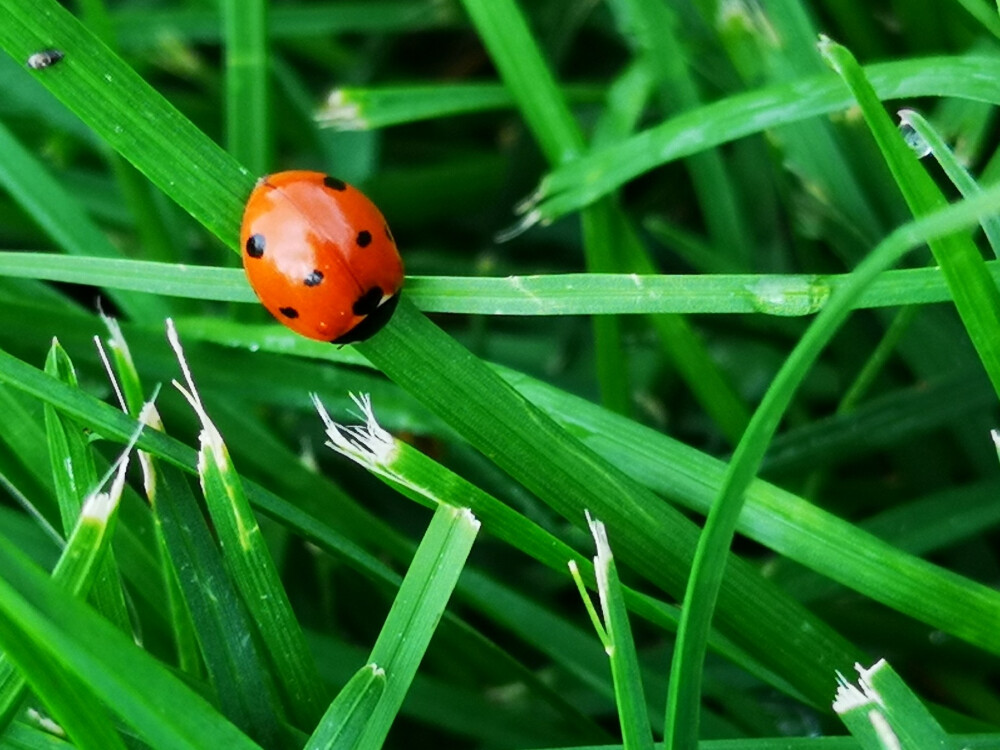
x: 684, y: 190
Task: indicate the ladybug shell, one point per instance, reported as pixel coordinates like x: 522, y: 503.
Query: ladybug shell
x: 320, y: 256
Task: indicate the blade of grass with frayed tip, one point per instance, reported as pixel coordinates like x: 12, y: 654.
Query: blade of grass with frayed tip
x: 249, y: 561
x: 588, y: 178
x: 77, y: 569
x: 882, y: 712
x: 232, y: 656
x: 75, y: 478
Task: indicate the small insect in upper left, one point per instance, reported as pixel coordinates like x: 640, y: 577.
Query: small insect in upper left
x: 44, y: 59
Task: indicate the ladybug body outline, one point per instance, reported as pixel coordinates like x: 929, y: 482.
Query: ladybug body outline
x: 320, y: 256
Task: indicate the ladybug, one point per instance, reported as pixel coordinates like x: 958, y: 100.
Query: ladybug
x: 320, y: 256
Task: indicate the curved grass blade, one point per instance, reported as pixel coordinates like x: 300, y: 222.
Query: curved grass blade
x: 584, y: 180
x: 709, y: 565
x: 956, y: 172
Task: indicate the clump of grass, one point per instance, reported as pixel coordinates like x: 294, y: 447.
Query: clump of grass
x: 712, y: 301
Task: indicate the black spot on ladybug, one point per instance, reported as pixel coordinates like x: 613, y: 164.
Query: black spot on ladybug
x: 255, y: 245
x: 367, y: 302
x: 372, y: 324
x: 364, y: 238
x: 289, y: 312
x: 388, y: 234
x: 334, y: 184
x: 314, y: 278
x: 45, y: 59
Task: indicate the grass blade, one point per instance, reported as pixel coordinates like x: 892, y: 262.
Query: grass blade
x: 976, y: 296
x: 416, y: 611
x: 345, y: 721
x: 231, y: 655
x: 253, y: 570
x: 248, y: 122
x: 588, y: 178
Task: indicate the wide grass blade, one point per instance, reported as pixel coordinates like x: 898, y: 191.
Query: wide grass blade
x: 74, y: 476
x: 415, y: 612
x: 248, y: 114
x: 882, y: 712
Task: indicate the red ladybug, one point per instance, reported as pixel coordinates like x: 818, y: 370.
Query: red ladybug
x: 320, y: 256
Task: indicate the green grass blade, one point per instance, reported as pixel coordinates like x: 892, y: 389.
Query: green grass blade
x: 976, y: 296
x: 620, y: 647
x: 584, y: 180
x: 140, y: 29
x: 373, y: 108
x: 76, y: 570
x: 248, y: 124
x: 785, y: 295
x: 235, y: 665
x: 62, y: 218
x: 178, y: 616
x: 956, y: 172
x: 883, y: 712
x: 506, y: 35
x: 75, y: 478
x: 653, y: 27
x: 67, y: 637
x: 345, y: 721
x: 249, y: 561
x: 416, y: 611
x: 22, y: 737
